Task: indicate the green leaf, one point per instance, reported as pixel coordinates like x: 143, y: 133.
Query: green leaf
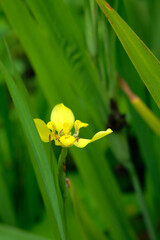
x: 8, y: 233
x: 142, y: 58
x: 40, y: 162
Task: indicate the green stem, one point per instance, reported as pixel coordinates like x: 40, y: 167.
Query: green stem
x: 61, y: 172
x: 129, y: 166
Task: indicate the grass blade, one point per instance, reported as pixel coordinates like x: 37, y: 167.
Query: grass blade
x: 41, y: 166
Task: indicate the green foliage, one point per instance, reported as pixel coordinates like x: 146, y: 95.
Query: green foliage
x: 67, y: 52
x: 144, y: 61
x: 7, y: 232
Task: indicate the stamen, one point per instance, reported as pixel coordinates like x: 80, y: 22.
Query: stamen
x: 61, y: 133
x: 76, y: 133
x: 77, y: 139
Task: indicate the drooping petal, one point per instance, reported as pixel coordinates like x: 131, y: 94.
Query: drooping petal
x: 67, y: 140
x: 101, y: 134
x: 63, y: 118
x: 81, y: 143
x: 78, y: 124
x: 44, y: 133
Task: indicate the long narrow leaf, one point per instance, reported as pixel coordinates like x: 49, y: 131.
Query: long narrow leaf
x: 41, y: 166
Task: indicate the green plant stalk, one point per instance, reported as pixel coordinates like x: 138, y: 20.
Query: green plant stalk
x: 61, y: 172
x: 129, y: 166
x: 148, y: 116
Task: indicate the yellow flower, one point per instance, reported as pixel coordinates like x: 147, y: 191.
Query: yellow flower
x: 59, y: 128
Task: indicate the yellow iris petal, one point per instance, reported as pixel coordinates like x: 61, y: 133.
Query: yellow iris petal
x: 101, y: 134
x: 78, y: 124
x: 63, y: 118
x: 67, y: 140
x: 81, y: 143
x: 43, y: 130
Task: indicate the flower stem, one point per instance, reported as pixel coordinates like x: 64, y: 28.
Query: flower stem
x: 61, y: 172
x: 129, y: 166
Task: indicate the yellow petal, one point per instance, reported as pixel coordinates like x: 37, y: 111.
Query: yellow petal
x: 43, y: 130
x: 67, y: 140
x: 101, y: 134
x: 78, y: 124
x: 63, y: 118
x: 81, y: 143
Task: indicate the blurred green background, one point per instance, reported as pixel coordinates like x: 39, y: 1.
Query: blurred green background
x: 66, y: 51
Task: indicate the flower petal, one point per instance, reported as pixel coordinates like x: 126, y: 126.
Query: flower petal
x: 78, y: 124
x: 82, y: 142
x: 63, y: 118
x: 101, y: 134
x: 67, y: 140
x: 43, y: 130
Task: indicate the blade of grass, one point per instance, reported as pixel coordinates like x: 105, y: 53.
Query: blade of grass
x: 41, y: 166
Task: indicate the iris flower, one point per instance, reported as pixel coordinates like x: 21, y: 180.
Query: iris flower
x: 59, y: 129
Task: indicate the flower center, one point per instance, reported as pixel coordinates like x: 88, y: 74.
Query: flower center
x: 63, y: 137
x: 67, y: 140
